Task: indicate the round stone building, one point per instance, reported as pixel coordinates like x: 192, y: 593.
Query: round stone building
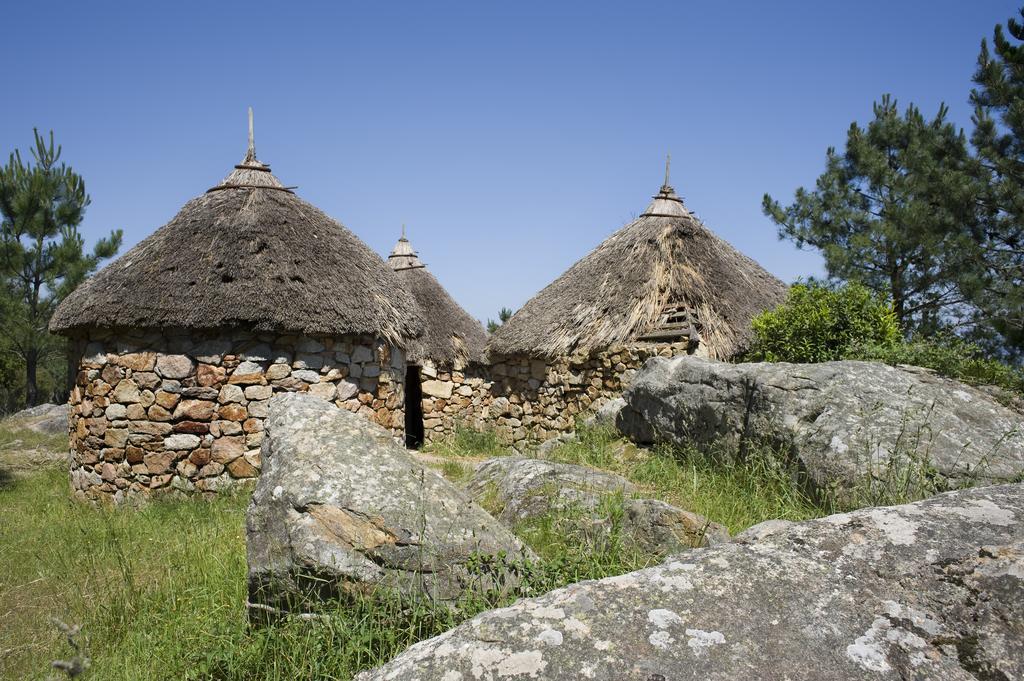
x: 444, y: 371
x: 180, y: 342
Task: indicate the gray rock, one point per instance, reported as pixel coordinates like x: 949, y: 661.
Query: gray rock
x: 527, y: 489
x: 174, y: 366
x: 844, y: 421
x: 930, y: 590
x: 43, y: 418
x: 607, y: 413
x: 340, y: 505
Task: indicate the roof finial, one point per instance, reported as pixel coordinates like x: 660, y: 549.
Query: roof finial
x: 403, y: 232
x: 250, y: 155
x: 668, y: 162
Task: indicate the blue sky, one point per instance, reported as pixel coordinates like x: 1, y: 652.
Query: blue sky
x: 511, y: 138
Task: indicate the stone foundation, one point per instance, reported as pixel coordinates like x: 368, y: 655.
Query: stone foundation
x: 153, y: 413
x: 531, y: 400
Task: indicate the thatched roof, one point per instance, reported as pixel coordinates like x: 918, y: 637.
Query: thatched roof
x: 452, y: 337
x: 248, y: 253
x: 664, y: 260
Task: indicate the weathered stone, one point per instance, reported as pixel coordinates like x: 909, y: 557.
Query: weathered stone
x: 258, y: 409
x: 362, y: 354
x: 575, y: 497
x: 125, y: 392
x: 252, y: 425
x: 306, y: 344
x: 844, y: 421
x: 306, y: 375
x: 182, y: 441
x: 112, y: 374
x: 195, y: 410
x: 135, y: 412
x: 174, y: 366
x: 308, y: 361
x: 346, y: 390
x: 209, y: 375
x: 192, y: 427
x: 247, y: 367
x: 199, y: 392
x: 115, y: 437
x: 149, y: 428
x: 186, y: 469
x: 211, y: 469
x: 200, y: 457
x: 134, y: 454
x: 230, y: 393
x: 338, y: 499
x: 240, y: 468
x: 258, y: 392
x: 166, y: 399
x: 226, y: 449
x: 146, y: 398
x: 211, y: 351
x: 931, y: 590
x: 277, y: 371
x: 136, y: 361
x: 228, y: 427
x: 147, y: 380
x: 232, y: 412
x: 158, y: 413
x: 158, y: 462
x: 116, y: 411
x: 439, y: 389
x: 325, y: 391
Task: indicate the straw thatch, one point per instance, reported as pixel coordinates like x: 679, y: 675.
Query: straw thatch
x: 618, y: 292
x: 452, y: 337
x: 248, y: 253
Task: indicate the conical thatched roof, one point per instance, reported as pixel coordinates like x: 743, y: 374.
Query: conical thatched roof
x: 248, y: 253
x: 451, y: 337
x: 665, y: 260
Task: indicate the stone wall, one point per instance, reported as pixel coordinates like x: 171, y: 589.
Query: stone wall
x: 531, y: 400
x: 169, y: 411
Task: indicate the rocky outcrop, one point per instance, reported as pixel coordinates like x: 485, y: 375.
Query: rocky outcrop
x: 527, y: 489
x: 43, y: 418
x: 843, y: 421
x: 933, y: 589
x: 340, y: 507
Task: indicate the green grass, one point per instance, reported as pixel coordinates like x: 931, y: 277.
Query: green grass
x: 160, y: 591
x: 737, y: 494
x: 23, y: 438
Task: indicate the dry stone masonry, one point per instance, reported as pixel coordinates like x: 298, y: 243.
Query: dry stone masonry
x: 156, y: 412
x: 531, y: 400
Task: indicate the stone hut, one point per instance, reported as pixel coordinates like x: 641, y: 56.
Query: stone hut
x: 664, y: 284
x: 180, y: 342
x: 444, y: 371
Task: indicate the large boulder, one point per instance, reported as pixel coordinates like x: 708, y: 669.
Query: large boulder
x: 843, y: 421
x: 340, y: 508
x: 930, y: 590
x: 528, y: 489
x: 44, y: 418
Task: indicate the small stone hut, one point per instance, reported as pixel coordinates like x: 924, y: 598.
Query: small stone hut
x: 180, y: 342
x: 662, y: 285
x: 444, y: 370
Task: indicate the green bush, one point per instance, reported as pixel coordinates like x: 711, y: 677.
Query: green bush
x: 818, y: 324
x: 952, y: 357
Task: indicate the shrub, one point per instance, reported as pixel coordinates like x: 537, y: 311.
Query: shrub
x: 952, y: 357
x: 818, y: 324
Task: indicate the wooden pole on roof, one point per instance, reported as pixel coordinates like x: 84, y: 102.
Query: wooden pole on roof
x: 250, y: 155
x: 668, y: 161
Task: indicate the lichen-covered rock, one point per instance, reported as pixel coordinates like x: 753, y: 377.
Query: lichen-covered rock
x: 341, y: 507
x: 930, y: 590
x: 844, y: 421
x: 43, y: 418
x: 578, y: 497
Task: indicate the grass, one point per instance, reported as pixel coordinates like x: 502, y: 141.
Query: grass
x: 160, y: 591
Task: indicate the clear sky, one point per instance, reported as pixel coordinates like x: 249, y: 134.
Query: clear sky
x: 511, y: 138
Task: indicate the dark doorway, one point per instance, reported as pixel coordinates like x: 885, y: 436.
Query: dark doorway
x: 413, y: 408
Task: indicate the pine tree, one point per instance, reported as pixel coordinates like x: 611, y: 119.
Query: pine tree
x: 42, y: 255
x: 894, y: 212
x: 998, y: 137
